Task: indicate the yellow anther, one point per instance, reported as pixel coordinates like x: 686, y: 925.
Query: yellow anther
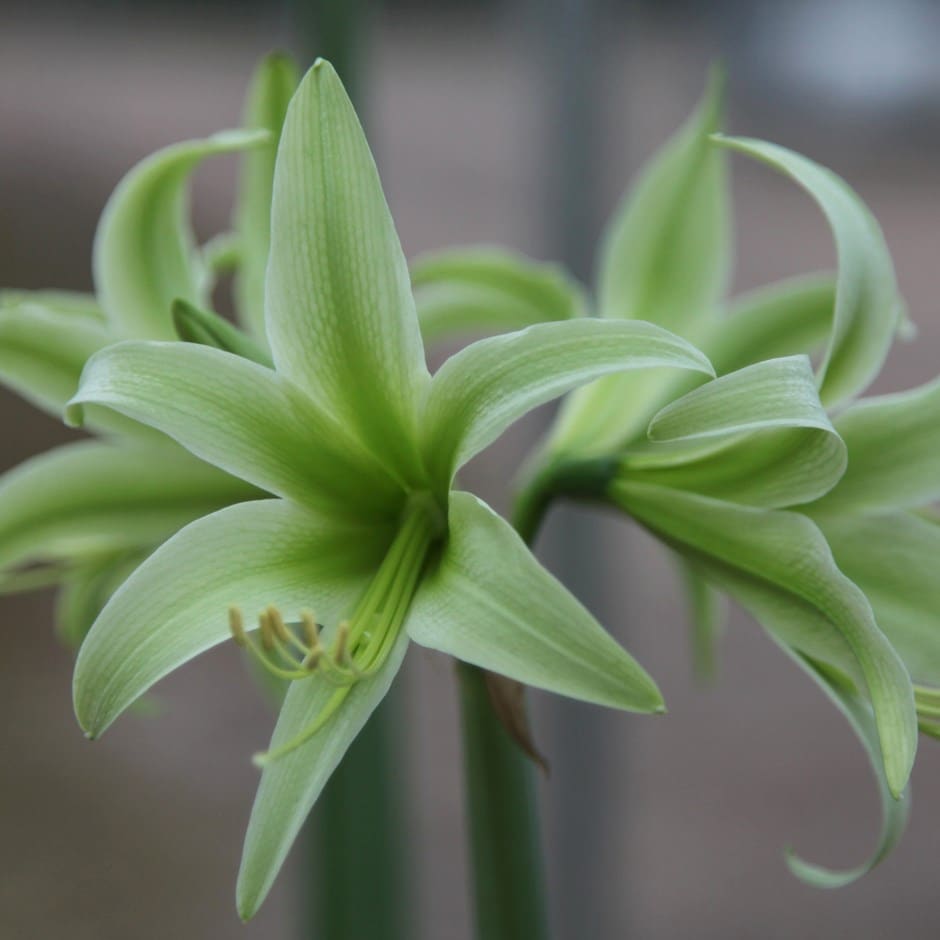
x: 339, y: 644
x: 311, y: 631
x: 267, y: 631
x: 237, y: 626
x: 278, y: 625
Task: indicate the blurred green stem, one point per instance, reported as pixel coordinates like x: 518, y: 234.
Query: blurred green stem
x: 500, y: 795
x: 356, y: 844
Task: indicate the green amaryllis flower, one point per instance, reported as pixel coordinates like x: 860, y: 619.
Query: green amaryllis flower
x: 85, y: 514
x: 367, y: 546
x: 716, y: 472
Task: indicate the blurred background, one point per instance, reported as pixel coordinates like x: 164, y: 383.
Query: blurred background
x: 514, y: 122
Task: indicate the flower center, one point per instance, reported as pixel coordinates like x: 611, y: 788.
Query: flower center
x: 360, y: 645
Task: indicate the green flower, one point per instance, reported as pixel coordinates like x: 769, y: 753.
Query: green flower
x: 717, y: 471
x: 83, y: 515
x: 367, y: 545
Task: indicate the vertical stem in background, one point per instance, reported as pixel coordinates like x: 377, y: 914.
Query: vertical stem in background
x: 502, y: 819
x: 357, y: 871
x: 356, y: 842
x: 572, y: 37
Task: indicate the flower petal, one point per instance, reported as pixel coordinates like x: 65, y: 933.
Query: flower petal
x: 894, y: 453
x: 144, y: 257
x: 665, y: 255
x: 239, y: 416
x: 758, y: 436
x: 488, y: 602
x: 91, y: 498
x: 789, y: 317
x: 892, y: 557
x: 481, y: 290
x: 773, y: 394
x: 291, y: 784
x: 61, y: 303
x: 174, y: 606
x: 340, y: 316
x: 488, y: 385
x: 272, y: 85
x: 779, y: 566
x: 894, y: 812
x: 868, y: 305
x: 42, y: 352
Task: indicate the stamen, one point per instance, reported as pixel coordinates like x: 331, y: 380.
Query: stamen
x: 237, y: 626
x: 267, y: 631
x: 360, y: 645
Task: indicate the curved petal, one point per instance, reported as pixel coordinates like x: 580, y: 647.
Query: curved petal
x: 340, y: 316
x: 868, y: 306
x: 239, y: 416
x: 488, y: 385
x: 174, y: 606
x: 61, y: 303
x: 488, y: 602
x: 892, y: 557
x: 291, y: 784
x: 482, y: 290
x: 758, y: 436
x: 779, y: 565
x: 272, y: 85
x: 42, y: 353
x: 894, y: 453
x: 787, y: 318
x: 144, y: 257
x: 894, y: 812
x: 91, y: 498
x: 665, y: 255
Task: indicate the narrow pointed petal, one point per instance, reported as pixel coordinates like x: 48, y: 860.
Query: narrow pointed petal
x: 779, y: 566
x: 272, y: 85
x: 340, y: 316
x: 144, y: 255
x: 785, y: 319
x: 488, y: 602
x: 758, y: 436
x: 894, y: 453
x: 239, y: 416
x: 42, y: 353
x: 487, y: 386
x: 175, y: 605
x: 868, y: 306
x: 62, y: 303
x: 892, y: 557
x: 894, y: 811
x: 291, y: 784
x: 778, y: 393
x: 665, y: 255
x: 85, y: 590
x: 481, y: 291
x: 91, y: 498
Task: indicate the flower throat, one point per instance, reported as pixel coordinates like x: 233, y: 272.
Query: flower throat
x: 360, y: 645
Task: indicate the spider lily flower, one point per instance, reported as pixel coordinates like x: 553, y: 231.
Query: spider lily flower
x: 83, y: 515
x: 721, y: 472
x: 366, y: 546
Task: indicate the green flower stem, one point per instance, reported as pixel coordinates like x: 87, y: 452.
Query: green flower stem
x: 356, y: 845
x: 501, y: 801
x: 502, y: 816
x: 583, y: 480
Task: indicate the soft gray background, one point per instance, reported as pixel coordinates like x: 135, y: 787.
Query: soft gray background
x: 676, y: 825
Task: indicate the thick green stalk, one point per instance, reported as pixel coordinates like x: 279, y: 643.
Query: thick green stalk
x: 356, y: 846
x: 503, y: 821
x: 502, y: 813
